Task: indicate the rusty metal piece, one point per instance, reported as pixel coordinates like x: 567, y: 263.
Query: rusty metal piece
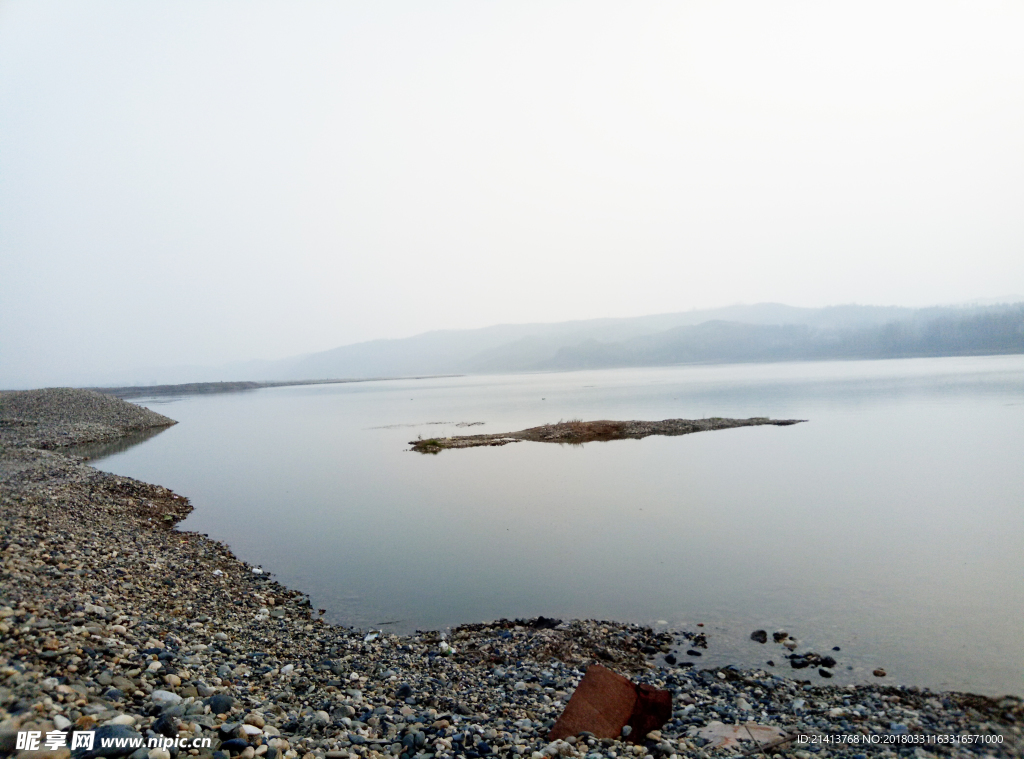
x: 606, y: 702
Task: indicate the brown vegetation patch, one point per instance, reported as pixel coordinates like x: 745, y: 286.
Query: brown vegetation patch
x: 577, y: 432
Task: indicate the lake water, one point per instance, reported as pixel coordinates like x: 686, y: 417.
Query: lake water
x: 891, y: 524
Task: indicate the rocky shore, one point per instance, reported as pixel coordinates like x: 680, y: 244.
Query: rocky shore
x: 577, y: 432
x: 112, y: 620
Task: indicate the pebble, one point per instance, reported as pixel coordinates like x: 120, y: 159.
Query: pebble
x: 220, y: 703
x: 165, y: 698
x: 255, y: 720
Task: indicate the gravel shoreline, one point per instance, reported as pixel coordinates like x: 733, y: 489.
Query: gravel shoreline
x: 110, y: 618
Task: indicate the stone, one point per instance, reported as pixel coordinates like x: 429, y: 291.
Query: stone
x: 879, y: 672
x: 165, y: 698
x: 228, y: 730
x: 759, y: 636
x: 254, y: 719
x: 605, y: 702
x: 220, y: 703
x: 159, y: 753
x: 250, y: 732
x: 166, y: 725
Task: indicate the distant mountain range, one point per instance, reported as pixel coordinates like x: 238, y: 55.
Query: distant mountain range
x: 759, y: 333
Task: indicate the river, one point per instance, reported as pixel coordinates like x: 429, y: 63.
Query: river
x: 890, y: 524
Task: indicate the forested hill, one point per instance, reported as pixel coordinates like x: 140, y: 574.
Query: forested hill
x: 762, y: 332
x: 722, y: 341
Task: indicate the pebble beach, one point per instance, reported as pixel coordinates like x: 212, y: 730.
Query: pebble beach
x: 112, y: 620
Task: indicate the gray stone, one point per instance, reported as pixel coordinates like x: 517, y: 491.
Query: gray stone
x: 165, y: 698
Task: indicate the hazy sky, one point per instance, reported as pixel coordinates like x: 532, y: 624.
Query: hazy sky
x: 199, y: 182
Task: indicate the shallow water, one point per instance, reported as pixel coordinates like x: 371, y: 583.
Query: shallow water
x: 890, y: 524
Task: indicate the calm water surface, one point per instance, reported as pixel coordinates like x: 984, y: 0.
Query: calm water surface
x: 891, y: 524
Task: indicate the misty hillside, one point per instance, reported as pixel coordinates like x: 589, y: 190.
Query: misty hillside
x: 762, y: 332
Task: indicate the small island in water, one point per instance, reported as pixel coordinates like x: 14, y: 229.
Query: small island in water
x: 576, y: 432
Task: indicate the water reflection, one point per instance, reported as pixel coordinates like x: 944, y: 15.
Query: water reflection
x: 98, y: 451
